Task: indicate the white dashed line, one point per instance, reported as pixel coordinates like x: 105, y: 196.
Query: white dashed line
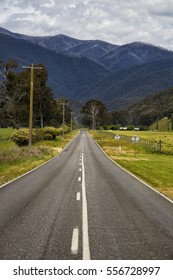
x: 78, y: 196
x: 75, y: 241
x: 79, y: 179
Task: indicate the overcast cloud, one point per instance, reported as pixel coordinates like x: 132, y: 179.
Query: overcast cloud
x: 114, y: 21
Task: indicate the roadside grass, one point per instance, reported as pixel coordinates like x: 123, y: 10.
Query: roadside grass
x: 5, y: 133
x: 153, y: 168
x: 15, y: 161
x: 165, y: 137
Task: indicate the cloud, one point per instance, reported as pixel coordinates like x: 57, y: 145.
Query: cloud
x: 115, y: 21
x: 50, y: 4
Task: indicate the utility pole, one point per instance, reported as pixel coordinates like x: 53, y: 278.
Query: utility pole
x: 64, y: 103
x: 71, y: 121
x: 32, y: 67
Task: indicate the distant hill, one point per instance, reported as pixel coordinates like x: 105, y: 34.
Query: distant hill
x: 152, y: 108
x: 85, y: 69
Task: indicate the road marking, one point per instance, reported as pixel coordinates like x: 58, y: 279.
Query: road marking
x: 80, y: 169
x: 85, y: 238
x: 78, y: 196
x: 75, y: 241
x: 79, y: 179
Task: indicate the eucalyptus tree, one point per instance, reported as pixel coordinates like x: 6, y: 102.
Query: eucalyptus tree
x: 94, y: 114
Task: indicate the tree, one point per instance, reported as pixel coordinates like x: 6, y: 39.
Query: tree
x: 15, y: 97
x: 95, y: 114
x: 10, y: 92
x: 43, y: 101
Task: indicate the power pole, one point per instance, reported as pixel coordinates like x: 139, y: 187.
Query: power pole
x: 71, y: 121
x: 64, y: 103
x: 32, y: 67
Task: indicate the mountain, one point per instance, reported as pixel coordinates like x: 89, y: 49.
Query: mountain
x: 86, y: 69
x: 126, y: 86
x: 136, y: 53
x: 68, y: 75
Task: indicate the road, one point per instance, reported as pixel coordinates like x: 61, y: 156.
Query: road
x: 80, y: 205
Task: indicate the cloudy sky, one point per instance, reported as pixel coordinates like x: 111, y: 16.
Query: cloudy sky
x: 114, y: 21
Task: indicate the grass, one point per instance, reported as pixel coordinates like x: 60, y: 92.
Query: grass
x: 164, y: 124
x: 155, y: 169
x: 5, y: 133
x: 15, y: 161
x: 165, y: 137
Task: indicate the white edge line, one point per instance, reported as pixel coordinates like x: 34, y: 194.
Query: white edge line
x: 86, y: 249
x: 75, y: 241
x: 15, y: 179
x: 147, y: 185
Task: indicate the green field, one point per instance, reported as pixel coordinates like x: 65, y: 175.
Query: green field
x: 164, y: 124
x: 154, y: 168
x: 15, y: 161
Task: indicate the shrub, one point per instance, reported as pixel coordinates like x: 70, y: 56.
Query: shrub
x: 48, y: 137
x: 105, y: 127
x: 113, y: 127
x: 21, y: 137
x: 64, y: 128
x: 51, y: 131
x: 130, y: 127
x: 58, y: 131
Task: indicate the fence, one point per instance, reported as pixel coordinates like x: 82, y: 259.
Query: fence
x: 152, y: 145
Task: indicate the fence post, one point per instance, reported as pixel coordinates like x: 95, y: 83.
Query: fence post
x: 160, y: 145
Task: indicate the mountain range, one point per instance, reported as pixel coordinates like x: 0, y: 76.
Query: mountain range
x: 80, y: 70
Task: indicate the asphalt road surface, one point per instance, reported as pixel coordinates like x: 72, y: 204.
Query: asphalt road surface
x: 81, y: 205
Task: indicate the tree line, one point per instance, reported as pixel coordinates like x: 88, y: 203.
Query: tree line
x: 49, y: 111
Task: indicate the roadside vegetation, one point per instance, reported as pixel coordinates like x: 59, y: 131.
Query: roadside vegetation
x: 155, y: 168
x: 15, y: 160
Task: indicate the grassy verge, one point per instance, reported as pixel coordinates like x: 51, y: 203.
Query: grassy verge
x: 155, y: 169
x: 15, y: 161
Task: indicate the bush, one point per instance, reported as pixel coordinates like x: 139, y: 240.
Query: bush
x: 130, y: 127
x: 64, y: 128
x: 58, y: 131
x: 48, y: 137
x: 105, y: 127
x: 51, y: 131
x: 21, y: 137
x: 114, y: 127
